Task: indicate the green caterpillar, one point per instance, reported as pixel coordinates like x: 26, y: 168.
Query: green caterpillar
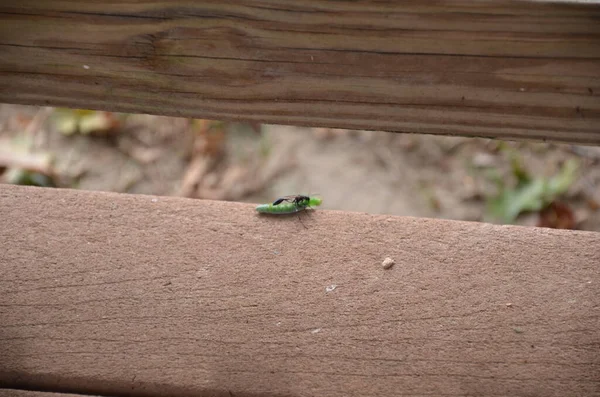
x: 289, y: 205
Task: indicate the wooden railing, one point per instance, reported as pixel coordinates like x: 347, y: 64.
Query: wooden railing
x: 493, y: 68
x: 120, y: 295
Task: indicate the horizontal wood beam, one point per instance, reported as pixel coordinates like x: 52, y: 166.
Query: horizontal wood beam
x: 506, y: 69
x: 29, y: 393
x: 113, y: 294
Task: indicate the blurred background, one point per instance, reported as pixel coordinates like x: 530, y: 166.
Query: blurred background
x: 526, y: 183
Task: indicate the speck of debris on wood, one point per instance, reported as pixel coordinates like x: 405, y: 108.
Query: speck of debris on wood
x: 387, y: 263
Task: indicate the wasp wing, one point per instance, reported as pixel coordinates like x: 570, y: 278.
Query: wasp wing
x: 289, y: 199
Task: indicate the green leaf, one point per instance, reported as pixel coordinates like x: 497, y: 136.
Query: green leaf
x: 71, y: 121
x: 66, y: 125
x: 17, y: 176
x: 530, y: 194
x: 560, y: 183
x: 94, y: 122
x: 518, y: 169
x: 511, y: 202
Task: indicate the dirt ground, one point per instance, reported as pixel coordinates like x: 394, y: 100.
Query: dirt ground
x: 375, y: 172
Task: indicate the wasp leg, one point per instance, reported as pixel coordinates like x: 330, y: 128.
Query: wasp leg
x: 300, y: 219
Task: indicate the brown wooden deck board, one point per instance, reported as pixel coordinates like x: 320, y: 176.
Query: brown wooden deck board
x: 119, y: 295
x: 28, y: 393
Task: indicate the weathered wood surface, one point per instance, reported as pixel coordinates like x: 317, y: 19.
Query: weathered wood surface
x: 27, y: 393
x: 121, y: 295
x: 497, y: 69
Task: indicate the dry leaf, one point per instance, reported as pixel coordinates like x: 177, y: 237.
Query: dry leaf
x: 557, y: 216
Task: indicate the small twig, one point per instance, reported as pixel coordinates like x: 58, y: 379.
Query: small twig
x: 35, y: 124
x: 194, y: 174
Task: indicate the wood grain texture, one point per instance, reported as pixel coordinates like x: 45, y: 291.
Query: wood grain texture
x: 508, y: 69
x: 28, y: 393
x: 124, y: 295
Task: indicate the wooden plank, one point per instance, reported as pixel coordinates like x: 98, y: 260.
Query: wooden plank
x: 115, y: 294
x: 28, y: 393
x: 506, y: 69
